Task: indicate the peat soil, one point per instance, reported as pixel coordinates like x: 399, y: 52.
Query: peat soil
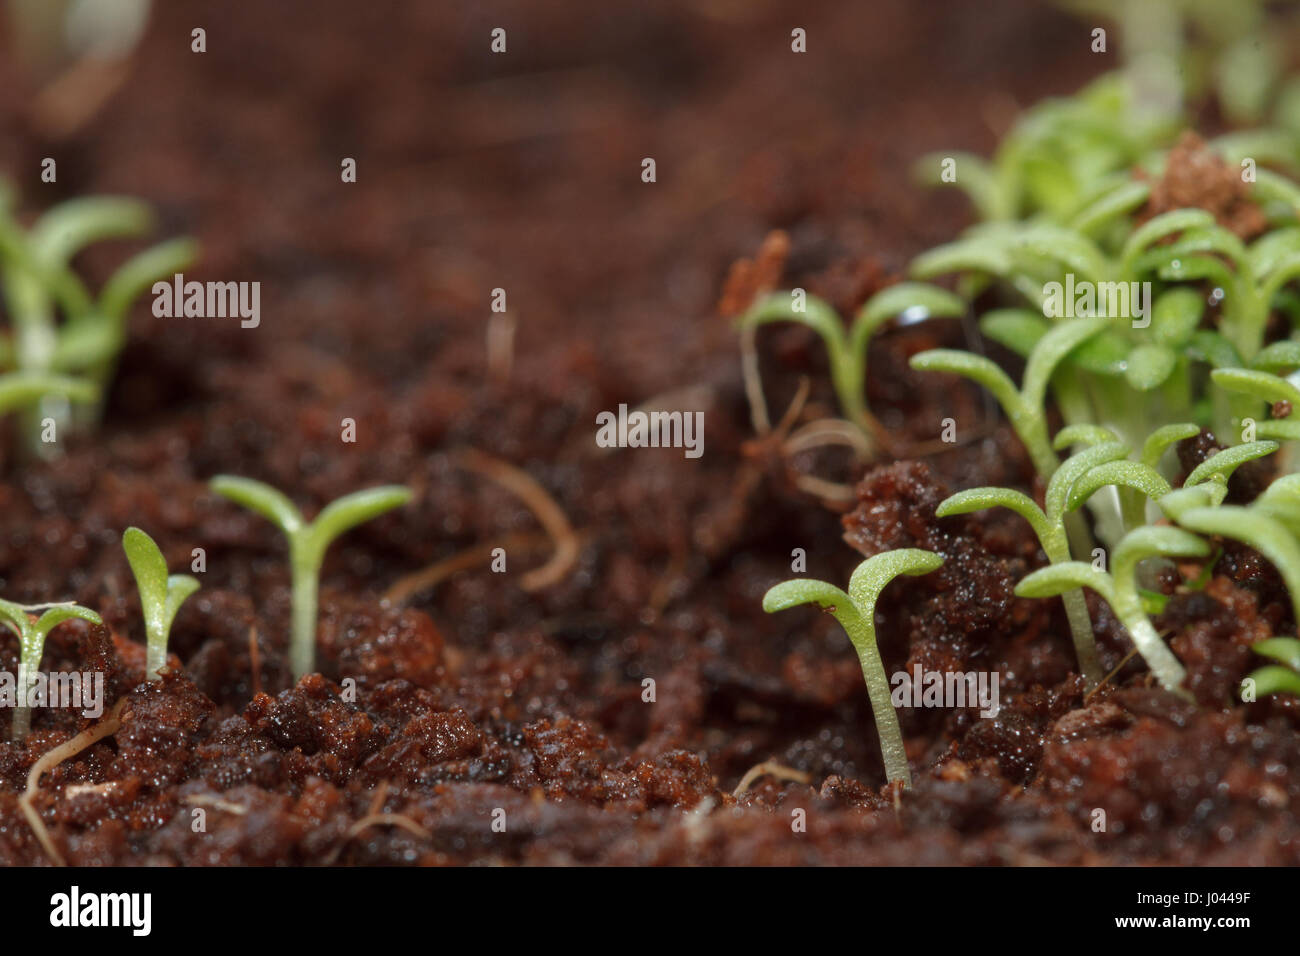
x: 479, y: 696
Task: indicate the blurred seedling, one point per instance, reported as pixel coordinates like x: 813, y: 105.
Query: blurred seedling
x: 161, y: 595
x: 1282, y: 677
x: 32, y: 632
x: 40, y: 285
x: 856, y: 613
x: 308, y: 543
x: 847, y: 350
x: 1058, y: 156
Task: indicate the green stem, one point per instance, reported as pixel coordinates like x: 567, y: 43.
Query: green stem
x: 155, y: 654
x: 1160, y: 659
x: 882, y: 709
x: 1076, y: 613
x: 22, y: 723
x: 306, y: 590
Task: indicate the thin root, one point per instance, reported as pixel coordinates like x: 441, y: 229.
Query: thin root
x: 818, y: 434
x: 375, y: 818
x: 412, y: 584
x: 216, y: 803
x: 1107, y: 679
x: 753, y: 382
x: 769, y: 768
x: 69, y: 748
x: 541, y: 504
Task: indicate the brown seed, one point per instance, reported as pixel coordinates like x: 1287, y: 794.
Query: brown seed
x: 1281, y: 409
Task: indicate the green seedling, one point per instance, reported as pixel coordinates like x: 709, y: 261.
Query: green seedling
x: 161, y: 595
x: 308, y: 543
x: 1121, y: 591
x: 1049, y: 527
x: 1026, y: 407
x: 856, y: 613
x: 1268, y: 387
x: 847, y: 350
x: 31, y: 637
x: 1282, y: 677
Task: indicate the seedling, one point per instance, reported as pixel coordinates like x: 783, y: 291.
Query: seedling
x: 1026, y: 407
x: 1049, y: 528
x: 308, y: 543
x: 161, y: 596
x: 1120, y: 589
x: 856, y: 613
x: 31, y: 636
x: 847, y: 351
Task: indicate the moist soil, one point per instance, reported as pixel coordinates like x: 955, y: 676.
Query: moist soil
x: 479, y: 696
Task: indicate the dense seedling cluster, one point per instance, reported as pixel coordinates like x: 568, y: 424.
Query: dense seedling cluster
x: 1139, y: 327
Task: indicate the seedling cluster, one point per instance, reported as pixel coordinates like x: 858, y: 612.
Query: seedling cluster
x: 62, y: 346
x: 1140, y: 329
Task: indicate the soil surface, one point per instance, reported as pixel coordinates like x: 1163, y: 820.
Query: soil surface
x: 481, y: 700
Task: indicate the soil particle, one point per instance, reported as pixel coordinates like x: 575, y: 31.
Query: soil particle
x: 1213, y: 632
x: 966, y: 598
x: 1195, y: 176
x: 750, y: 279
x: 1183, y: 783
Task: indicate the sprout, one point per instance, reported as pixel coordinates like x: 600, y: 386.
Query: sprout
x: 1281, y: 678
x: 31, y: 637
x: 308, y: 542
x: 1121, y: 592
x: 1221, y: 465
x: 856, y: 612
x: 848, y: 351
x: 1049, y: 528
x: 1026, y: 407
x: 1268, y: 387
x: 161, y: 596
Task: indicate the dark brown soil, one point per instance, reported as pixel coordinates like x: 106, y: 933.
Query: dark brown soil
x: 523, y: 172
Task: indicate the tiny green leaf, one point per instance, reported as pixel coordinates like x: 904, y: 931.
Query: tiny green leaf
x: 1229, y: 460
x: 308, y: 543
x: 1284, y: 650
x: 161, y: 595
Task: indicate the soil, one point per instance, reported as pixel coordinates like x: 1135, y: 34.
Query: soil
x: 480, y: 696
